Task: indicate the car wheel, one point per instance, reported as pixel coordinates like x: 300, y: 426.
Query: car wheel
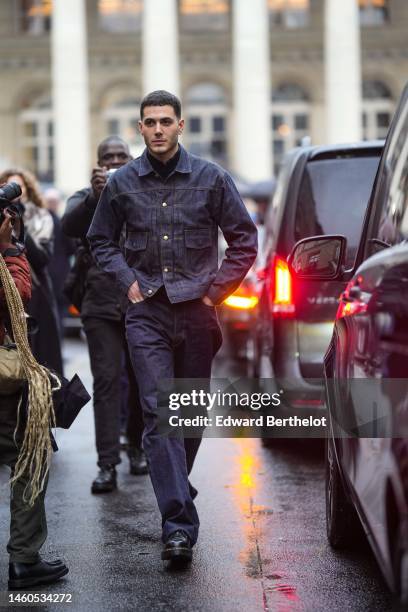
x: 403, y: 578
x: 342, y: 522
x: 399, y: 557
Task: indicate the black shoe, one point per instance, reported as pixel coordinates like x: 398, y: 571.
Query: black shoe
x: 105, y: 482
x: 137, y: 461
x: 177, y: 547
x: 23, y: 575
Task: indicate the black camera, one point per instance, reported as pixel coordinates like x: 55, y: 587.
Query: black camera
x: 10, y: 192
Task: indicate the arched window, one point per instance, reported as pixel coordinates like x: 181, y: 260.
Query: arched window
x: 121, y: 119
x: 206, y: 122
x: 36, y: 136
x: 290, y: 119
x: 378, y: 108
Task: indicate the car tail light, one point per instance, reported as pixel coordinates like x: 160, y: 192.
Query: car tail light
x: 241, y: 301
x: 282, y: 290
x: 74, y: 311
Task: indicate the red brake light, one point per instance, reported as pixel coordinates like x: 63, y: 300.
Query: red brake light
x: 282, y: 290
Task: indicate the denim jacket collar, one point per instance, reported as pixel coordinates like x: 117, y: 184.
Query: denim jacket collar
x: 183, y: 164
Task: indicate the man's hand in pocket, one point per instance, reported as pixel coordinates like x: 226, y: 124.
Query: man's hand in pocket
x: 134, y: 293
x: 207, y: 301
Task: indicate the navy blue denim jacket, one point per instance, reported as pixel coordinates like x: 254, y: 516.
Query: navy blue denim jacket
x: 172, y: 230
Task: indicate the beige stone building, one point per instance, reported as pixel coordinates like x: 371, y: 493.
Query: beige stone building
x: 256, y: 77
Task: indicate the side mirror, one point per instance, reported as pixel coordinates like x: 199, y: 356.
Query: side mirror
x: 318, y: 257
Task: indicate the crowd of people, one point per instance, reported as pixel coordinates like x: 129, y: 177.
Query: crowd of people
x: 52, y: 244
x: 136, y: 252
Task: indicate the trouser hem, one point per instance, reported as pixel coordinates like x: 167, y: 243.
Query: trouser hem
x: 29, y: 559
x: 104, y: 462
x: 190, y: 530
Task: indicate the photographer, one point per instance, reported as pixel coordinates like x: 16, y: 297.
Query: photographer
x: 103, y: 324
x: 39, y: 242
x: 25, y: 418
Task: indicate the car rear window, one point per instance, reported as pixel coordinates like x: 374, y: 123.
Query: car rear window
x: 333, y: 197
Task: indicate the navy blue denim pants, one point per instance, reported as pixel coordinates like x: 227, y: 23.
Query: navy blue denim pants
x: 170, y: 341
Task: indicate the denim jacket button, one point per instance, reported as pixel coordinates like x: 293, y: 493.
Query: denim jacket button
x: 149, y: 291
x: 165, y: 269
x: 164, y: 204
x: 165, y: 237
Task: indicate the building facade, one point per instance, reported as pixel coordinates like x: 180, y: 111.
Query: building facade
x: 255, y: 77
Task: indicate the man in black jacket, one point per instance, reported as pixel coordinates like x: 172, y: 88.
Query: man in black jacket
x: 102, y: 319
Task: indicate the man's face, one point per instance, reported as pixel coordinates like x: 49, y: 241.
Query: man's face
x: 114, y: 155
x: 160, y: 129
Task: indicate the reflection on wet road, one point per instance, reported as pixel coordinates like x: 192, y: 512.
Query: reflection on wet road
x: 262, y: 544
x: 248, y: 470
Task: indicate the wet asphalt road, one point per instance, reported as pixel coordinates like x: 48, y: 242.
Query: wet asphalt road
x: 262, y: 542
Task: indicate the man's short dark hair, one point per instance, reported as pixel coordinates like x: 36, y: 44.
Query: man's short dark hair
x: 161, y: 98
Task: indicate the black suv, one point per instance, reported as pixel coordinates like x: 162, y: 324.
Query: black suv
x: 320, y: 190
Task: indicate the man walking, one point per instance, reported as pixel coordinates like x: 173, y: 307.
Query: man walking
x: 102, y: 318
x: 172, y: 203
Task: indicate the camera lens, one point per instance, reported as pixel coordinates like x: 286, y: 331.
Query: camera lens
x: 10, y: 192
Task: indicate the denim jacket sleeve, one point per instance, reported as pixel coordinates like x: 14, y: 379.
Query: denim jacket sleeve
x: 241, y: 235
x: 103, y: 237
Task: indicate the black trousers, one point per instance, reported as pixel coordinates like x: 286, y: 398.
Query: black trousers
x: 28, y: 526
x: 106, y: 343
x: 135, y: 425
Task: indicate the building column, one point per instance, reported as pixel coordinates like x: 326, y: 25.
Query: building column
x: 342, y: 71
x: 70, y: 95
x: 160, y: 59
x: 251, y: 90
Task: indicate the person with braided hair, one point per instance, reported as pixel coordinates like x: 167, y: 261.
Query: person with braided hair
x: 25, y: 441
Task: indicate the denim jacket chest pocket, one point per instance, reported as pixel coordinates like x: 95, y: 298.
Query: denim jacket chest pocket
x: 136, y: 244
x: 198, y: 243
